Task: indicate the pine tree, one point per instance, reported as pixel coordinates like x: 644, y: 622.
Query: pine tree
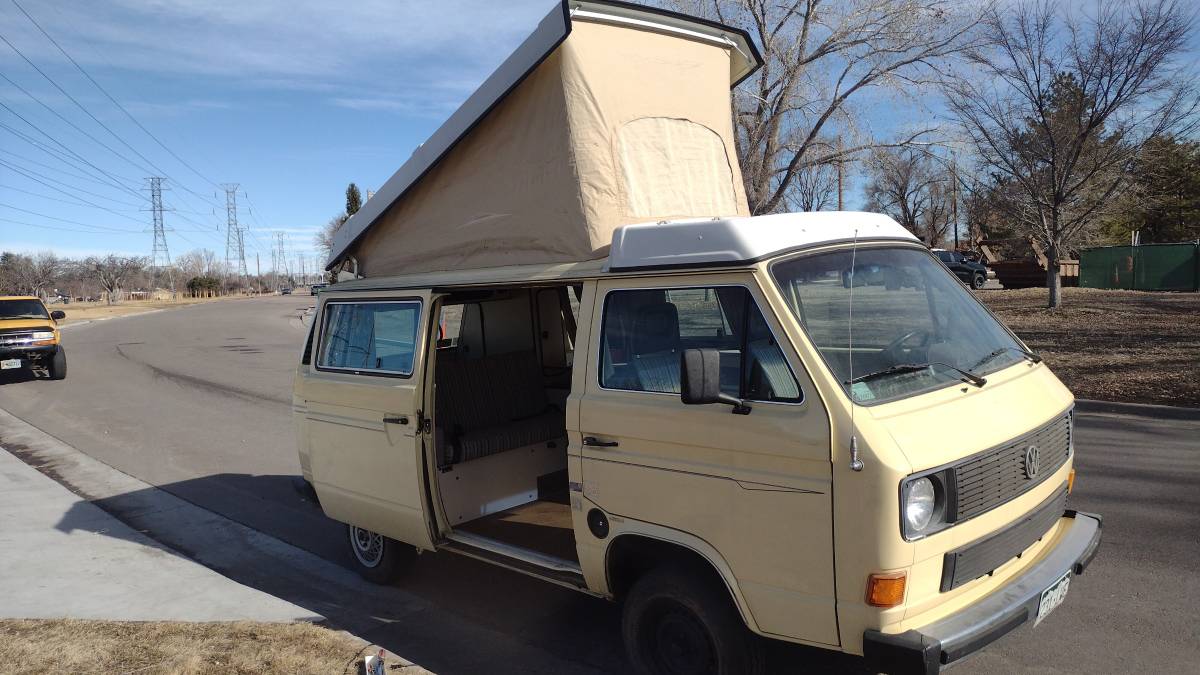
x: 353, y: 200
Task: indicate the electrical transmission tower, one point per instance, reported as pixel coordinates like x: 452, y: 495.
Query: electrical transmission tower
x: 235, y: 249
x: 160, y: 257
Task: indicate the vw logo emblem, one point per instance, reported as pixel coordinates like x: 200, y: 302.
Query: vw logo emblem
x: 1033, y: 461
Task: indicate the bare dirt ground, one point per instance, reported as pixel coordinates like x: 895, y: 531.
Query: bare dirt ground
x: 72, y: 646
x: 1128, y: 346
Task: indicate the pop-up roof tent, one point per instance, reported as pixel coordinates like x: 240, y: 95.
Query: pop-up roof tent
x: 608, y: 114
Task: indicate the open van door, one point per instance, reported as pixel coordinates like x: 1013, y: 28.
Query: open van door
x: 363, y: 391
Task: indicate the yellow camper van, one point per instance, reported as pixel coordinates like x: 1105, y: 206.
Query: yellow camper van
x: 561, y: 344
x: 801, y: 426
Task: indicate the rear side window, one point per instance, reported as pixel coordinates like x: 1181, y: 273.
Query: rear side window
x: 372, y: 336
x: 646, y: 331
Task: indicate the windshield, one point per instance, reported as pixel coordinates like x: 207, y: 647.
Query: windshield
x: 22, y: 309
x: 908, y: 310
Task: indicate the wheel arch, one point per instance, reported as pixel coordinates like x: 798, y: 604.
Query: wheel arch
x: 629, y: 556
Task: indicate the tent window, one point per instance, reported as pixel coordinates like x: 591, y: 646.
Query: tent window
x: 675, y: 167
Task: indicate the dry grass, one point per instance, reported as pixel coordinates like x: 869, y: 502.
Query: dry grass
x: 92, y: 311
x: 74, y: 646
x: 1128, y: 346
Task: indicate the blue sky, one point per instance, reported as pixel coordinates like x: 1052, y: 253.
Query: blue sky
x: 291, y: 100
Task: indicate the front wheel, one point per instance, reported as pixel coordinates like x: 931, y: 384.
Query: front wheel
x: 679, y: 622
x: 377, y: 558
x: 58, y: 364
x: 978, y: 281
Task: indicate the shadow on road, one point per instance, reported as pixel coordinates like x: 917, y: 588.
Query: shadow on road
x: 449, y: 613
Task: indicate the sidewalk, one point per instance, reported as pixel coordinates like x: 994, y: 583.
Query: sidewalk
x: 62, y: 556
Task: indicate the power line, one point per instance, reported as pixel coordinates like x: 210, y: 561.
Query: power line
x: 110, y: 97
x: 79, y: 105
x: 66, y: 220
x: 60, y: 144
x: 30, y: 174
x: 74, y: 126
x: 61, y: 170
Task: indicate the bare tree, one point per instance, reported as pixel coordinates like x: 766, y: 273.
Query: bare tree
x: 913, y: 188
x: 324, y: 237
x: 815, y: 188
x: 1061, y: 104
x: 112, y: 271
x: 820, y: 57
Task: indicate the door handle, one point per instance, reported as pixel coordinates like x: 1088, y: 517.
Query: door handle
x: 594, y: 442
x: 395, y: 420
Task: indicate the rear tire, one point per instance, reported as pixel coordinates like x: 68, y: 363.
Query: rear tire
x: 680, y: 622
x: 58, y: 364
x: 978, y: 281
x: 377, y: 558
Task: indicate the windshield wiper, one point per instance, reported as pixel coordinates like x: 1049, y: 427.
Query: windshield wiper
x: 1033, y: 358
x: 914, y: 367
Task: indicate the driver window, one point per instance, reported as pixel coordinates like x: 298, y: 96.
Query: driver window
x: 646, y: 331
x: 370, y: 336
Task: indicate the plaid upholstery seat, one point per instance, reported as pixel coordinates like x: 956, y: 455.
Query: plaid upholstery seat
x: 493, y: 404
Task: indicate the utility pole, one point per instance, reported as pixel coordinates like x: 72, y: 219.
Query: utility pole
x: 160, y: 257
x: 232, y: 232
x: 257, y: 272
x: 954, y: 198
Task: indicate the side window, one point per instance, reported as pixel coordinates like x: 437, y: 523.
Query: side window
x: 370, y: 336
x: 644, y: 333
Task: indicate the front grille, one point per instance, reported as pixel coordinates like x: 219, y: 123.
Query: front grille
x: 997, y: 476
x: 983, y: 557
x: 15, y: 338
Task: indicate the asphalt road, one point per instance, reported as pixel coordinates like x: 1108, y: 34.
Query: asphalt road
x: 197, y: 401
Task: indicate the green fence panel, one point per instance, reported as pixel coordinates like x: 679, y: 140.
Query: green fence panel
x: 1165, y: 267
x: 1150, y: 267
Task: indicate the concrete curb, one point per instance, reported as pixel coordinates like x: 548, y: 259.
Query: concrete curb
x: 1161, y: 412
x: 100, y: 484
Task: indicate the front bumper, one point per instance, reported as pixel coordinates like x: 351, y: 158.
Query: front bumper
x: 37, y: 354
x: 927, y: 650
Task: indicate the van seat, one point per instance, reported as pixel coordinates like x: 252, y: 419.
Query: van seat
x: 493, y: 404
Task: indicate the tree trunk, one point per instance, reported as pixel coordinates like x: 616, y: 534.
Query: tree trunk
x: 1053, y: 280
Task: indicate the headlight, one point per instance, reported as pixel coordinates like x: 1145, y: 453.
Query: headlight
x: 927, y: 504
x: 40, y: 335
x: 920, y: 499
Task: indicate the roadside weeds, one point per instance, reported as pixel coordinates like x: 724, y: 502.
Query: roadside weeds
x: 76, y: 646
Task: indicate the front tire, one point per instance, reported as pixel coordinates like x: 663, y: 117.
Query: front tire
x: 58, y: 364
x: 377, y: 558
x: 679, y: 622
x: 978, y: 281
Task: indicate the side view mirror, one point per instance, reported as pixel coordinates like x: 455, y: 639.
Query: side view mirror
x: 700, y: 380
x: 58, y: 314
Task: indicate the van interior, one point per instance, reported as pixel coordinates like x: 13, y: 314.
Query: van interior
x: 502, y: 373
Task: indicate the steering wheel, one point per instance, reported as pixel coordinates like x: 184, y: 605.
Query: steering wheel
x: 892, y: 347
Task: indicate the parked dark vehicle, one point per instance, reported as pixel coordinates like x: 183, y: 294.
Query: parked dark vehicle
x: 285, y: 291
x: 316, y: 288
x: 972, y: 273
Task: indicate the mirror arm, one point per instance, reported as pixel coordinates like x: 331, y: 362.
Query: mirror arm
x: 740, y: 407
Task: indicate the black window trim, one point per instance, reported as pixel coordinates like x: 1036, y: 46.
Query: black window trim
x: 371, y: 372
x: 600, y: 343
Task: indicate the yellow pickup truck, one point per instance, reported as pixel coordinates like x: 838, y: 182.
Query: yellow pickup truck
x: 29, y: 338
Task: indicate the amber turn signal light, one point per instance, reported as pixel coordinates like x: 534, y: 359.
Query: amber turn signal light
x: 886, y: 589
x: 1071, y: 480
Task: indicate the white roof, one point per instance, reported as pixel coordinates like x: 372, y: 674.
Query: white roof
x: 549, y: 34
x: 688, y: 243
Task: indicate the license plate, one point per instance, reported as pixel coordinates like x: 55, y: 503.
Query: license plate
x: 1053, y: 597
x: 8, y: 364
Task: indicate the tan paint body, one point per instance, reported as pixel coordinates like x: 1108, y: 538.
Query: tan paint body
x: 767, y: 498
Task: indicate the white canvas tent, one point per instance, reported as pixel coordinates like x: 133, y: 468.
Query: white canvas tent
x: 608, y: 114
